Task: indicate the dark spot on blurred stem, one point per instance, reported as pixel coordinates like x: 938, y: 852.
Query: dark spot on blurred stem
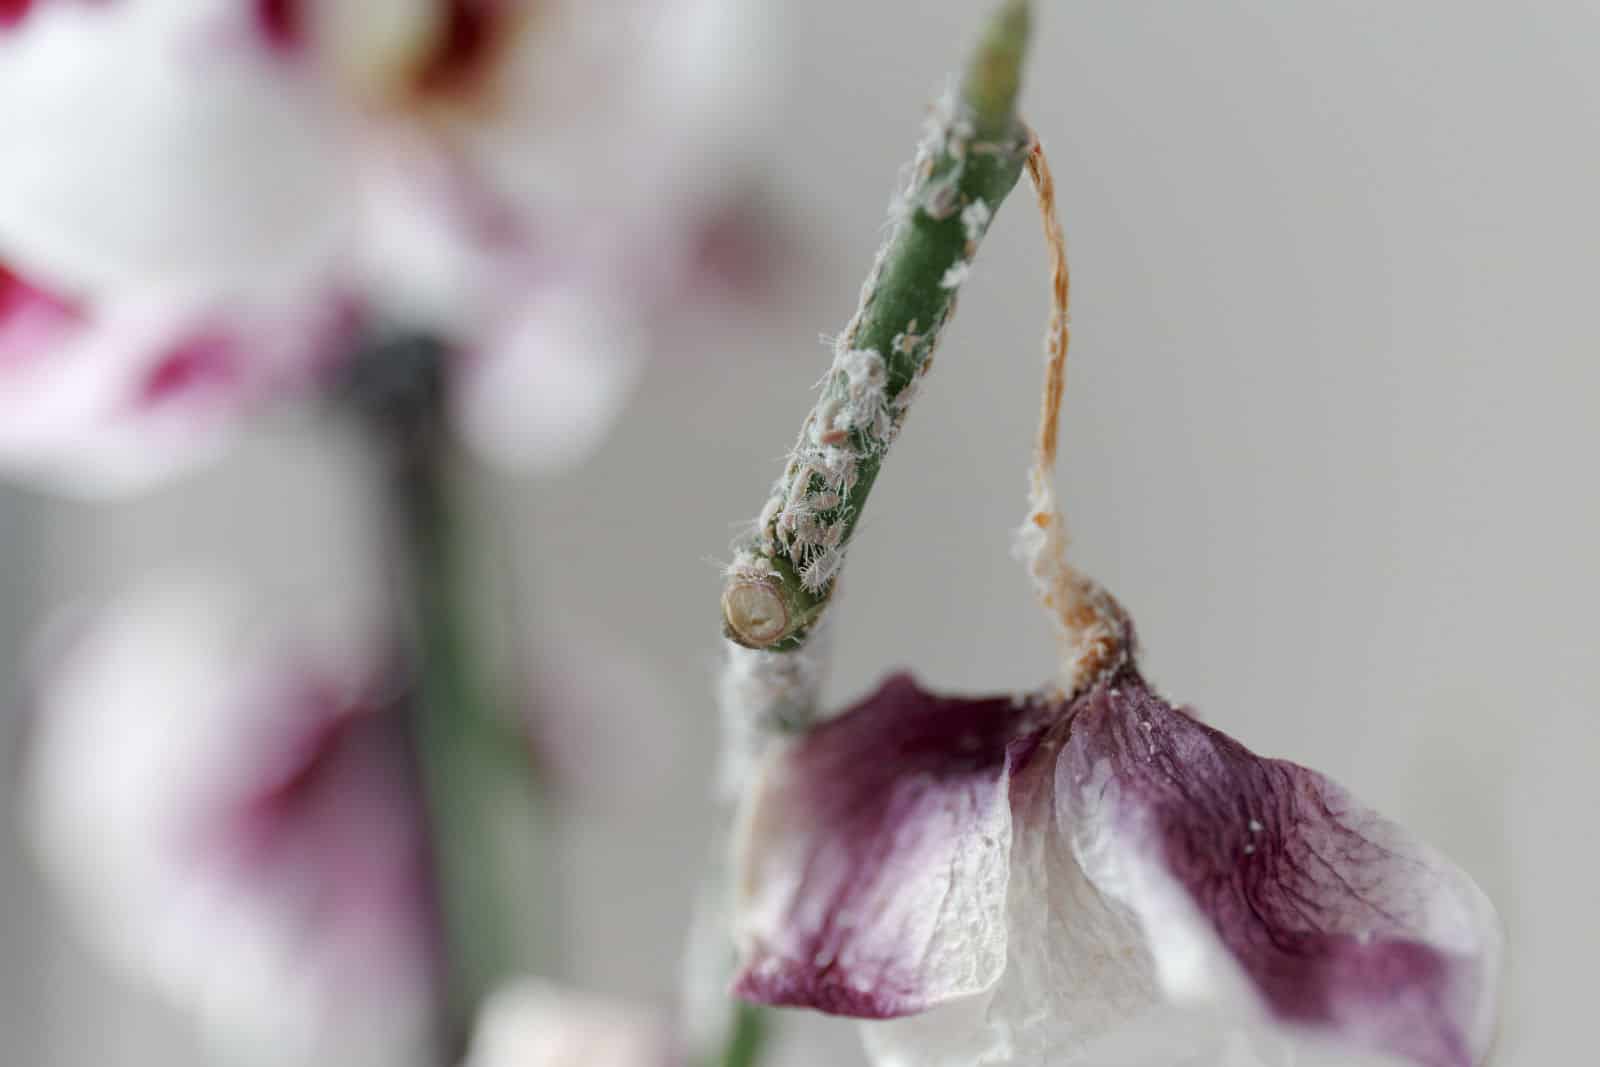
x: 396, y: 379
x: 281, y: 23
x: 396, y: 385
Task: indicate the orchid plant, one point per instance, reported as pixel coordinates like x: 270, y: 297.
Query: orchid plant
x: 395, y: 207
x: 1083, y: 873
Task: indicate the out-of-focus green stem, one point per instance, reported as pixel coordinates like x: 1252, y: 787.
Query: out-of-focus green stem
x: 469, y: 760
x: 967, y: 165
x: 461, y: 753
x: 747, y: 1039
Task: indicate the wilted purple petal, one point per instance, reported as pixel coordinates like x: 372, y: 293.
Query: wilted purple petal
x: 876, y: 856
x: 1153, y: 863
x: 1332, y: 914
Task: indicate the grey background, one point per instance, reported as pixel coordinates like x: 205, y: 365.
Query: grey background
x: 1329, y: 435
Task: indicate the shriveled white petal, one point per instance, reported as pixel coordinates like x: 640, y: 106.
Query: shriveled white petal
x: 234, y: 829
x: 534, y: 1023
x: 1172, y: 1037
x: 1076, y: 964
x: 165, y: 140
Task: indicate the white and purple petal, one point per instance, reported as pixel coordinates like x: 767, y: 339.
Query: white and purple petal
x: 237, y: 828
x: 874, y: 858
x: 103, y: 395
x: 1328, y: 915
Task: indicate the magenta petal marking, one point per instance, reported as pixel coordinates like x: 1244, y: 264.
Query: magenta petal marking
x: 203, y: 361
x: 12, y: 12
x: 281, y: 24
x: 31, y: 319
x: 873, y: 819
x: 1322, y: 904
x: 333, y: 820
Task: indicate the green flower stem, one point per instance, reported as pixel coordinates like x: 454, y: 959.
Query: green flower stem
x: 781, y: 579
x: 473, y: 765
x: 747, y: 1039
x: 965, y: 167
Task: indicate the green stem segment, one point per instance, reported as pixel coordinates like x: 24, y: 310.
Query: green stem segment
x: 782, y: 579
x: 472, y: 768
x: 748, y: 1037
x: 965, y: 167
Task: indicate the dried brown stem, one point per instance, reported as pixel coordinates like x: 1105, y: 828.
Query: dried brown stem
x: 1092, y: 626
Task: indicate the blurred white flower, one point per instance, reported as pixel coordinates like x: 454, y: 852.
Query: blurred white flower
x: 541, y: 182
x: 533, y: 1023
x: 237, y: 828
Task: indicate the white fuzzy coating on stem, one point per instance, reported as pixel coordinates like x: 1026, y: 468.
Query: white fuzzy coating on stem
x: 806, y: 520
x: 957, y: 178
x: 764, y: 694
x: 802, y: 518
x: 975, y: 219
x: 955, y: 275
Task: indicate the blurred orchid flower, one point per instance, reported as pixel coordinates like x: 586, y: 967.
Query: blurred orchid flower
x: 535, y: 1023
x: 237, y: 828
x: 545, y: 184
x: 1023, y: 880
x: 110, y: 395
